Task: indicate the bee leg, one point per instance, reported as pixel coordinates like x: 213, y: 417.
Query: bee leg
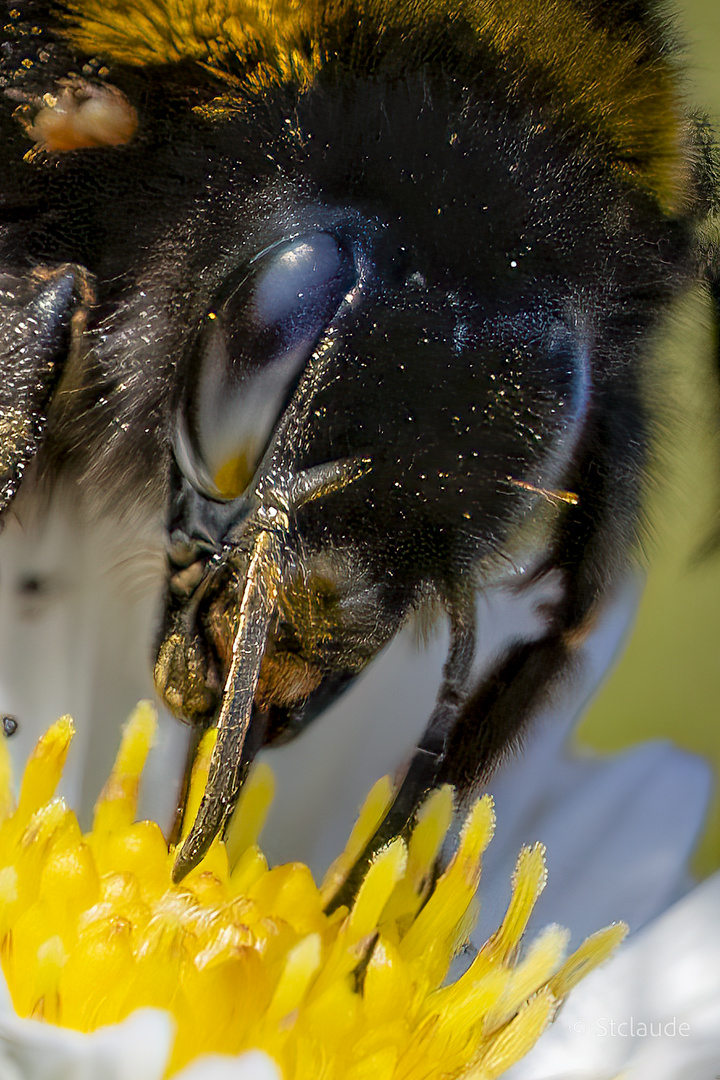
x: 471, y: 728
x: 424, y: 768
x: 496, y: 713
x: 41, y: 319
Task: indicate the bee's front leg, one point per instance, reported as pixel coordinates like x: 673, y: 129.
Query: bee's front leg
x: 41, y: 323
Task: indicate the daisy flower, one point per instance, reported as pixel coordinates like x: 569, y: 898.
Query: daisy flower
x: 241, y: 957
x: 619, y: 830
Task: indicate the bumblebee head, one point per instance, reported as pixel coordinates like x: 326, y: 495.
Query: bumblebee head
x: 371, y: 281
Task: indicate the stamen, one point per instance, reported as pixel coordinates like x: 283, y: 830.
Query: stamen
x: 243, y: 956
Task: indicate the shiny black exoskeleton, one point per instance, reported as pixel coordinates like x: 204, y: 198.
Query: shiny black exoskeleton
x: 363, y: 302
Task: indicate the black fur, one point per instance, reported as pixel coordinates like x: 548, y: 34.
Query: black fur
x: 516, y: 269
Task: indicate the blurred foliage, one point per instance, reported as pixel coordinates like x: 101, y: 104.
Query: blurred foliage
x: 667, y: 684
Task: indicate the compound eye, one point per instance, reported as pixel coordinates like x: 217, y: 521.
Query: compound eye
x: 249, y: 355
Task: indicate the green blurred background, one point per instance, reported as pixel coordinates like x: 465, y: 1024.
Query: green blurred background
x: 668, y: 681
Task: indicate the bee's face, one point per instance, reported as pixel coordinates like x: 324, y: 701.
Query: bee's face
x: 362, y: 307
x: 373, y: 336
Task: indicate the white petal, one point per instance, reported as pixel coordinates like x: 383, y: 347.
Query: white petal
x: 618, y: 831
x: 80, y: 642
x: 136, y: 1049
x: 254, y: 1065
x: 653, y: 1012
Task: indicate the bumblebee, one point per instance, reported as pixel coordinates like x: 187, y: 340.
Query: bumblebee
x: 360, y: 298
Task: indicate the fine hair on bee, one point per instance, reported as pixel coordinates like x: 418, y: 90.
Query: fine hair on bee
x: 359, y: 299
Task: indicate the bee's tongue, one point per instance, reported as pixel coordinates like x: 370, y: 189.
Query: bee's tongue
x: 240, y: 728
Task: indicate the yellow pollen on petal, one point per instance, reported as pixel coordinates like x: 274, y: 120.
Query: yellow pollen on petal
x: 117, y: 804
x: 433, y: 821
x: 385, y: 872
x: 515, y: 1040
x: 252, y: 808
x: 449, y: 915
x: 198, y: 778
x: 593, y: 951
x: 43, y: 770
x: 244, y: 956
x: 302, y: 963
x: 528, y: 883
x: 371, y: 814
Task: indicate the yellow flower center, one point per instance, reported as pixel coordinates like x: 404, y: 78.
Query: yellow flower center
x: 243, y: 956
